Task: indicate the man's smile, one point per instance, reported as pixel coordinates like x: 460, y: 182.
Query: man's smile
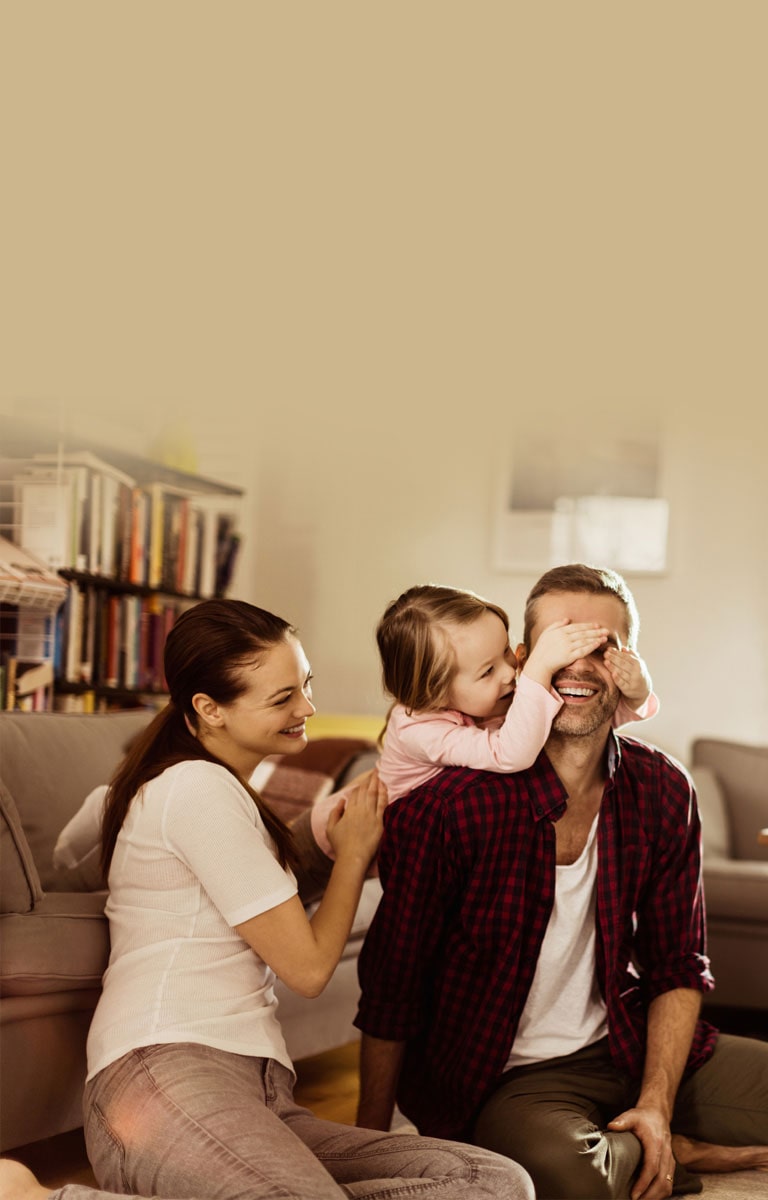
x: 576, y: 690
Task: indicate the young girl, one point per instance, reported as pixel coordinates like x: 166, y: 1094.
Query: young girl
x: 448, y: 664
x: 190, y: 1085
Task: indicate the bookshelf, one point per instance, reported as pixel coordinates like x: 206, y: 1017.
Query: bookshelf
x: 116, y: 548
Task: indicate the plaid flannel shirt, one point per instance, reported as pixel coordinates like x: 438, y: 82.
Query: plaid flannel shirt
x: 467, y: 862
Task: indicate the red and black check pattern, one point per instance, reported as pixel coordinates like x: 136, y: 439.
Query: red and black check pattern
x: 468, y: 867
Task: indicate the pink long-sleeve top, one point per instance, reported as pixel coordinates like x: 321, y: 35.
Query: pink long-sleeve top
x: 417, y: 745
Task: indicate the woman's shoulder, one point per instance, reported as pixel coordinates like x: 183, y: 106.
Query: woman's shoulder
x: 198, y: 777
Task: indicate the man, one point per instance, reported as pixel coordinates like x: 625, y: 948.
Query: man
x: 533, y: 976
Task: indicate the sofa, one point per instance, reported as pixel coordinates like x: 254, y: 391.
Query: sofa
x: 54, y: 938
x: 731, y: 780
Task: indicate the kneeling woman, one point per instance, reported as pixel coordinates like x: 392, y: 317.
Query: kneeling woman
x: 190, y: 1085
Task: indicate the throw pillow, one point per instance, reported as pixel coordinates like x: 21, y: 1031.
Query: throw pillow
x: 715, y: 827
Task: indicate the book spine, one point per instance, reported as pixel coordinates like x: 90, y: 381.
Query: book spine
x: 140, y: 504
x: 112, y: 660
x: 157, y: 502
x: 74, y: 634
x: 181, y: 557
x: 94, y: 522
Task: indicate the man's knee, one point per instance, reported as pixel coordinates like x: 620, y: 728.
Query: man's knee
x: 565, y: 1162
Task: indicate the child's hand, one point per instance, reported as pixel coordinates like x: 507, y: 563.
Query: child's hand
x: 630, y: 674
x: 561, y: 644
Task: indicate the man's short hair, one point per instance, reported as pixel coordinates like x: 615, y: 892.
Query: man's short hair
x: 579, y: 577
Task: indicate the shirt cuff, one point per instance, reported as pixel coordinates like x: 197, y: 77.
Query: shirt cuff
x: 393, y: 1022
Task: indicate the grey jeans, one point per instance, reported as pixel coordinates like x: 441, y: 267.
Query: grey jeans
x: 551, y: 1117
x: 188, y: 1122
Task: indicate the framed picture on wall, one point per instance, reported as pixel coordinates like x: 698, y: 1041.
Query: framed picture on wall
x: 563, y: 500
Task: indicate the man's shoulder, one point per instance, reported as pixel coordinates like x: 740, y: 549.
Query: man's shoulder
x: 646, y: 760
x: 457, y: 790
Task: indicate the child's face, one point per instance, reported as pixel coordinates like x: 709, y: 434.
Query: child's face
x: 484, y: 683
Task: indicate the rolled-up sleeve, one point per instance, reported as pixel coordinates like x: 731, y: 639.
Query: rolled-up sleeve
x: 671, y: 935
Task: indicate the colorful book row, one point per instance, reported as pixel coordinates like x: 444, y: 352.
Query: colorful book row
x: 115, y: 640
x: 76, y: 512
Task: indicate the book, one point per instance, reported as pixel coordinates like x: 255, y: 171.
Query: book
x: 34, y: 685
x: 43, y: 528
x: 217, y: 541
x: 74, y: 620
x: 112, y: 676
x: 139, y: 544
x: 35, y: 633
x: 131, y: 614
x: 95, y: 490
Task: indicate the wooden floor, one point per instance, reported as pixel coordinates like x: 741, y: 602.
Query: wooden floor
x: 327, y: 1084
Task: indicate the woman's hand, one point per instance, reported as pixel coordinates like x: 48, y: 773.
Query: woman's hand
x: 304, y: 953
x: 356, y: 824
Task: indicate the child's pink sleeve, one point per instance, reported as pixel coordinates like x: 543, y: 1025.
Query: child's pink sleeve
x: 512, y: 746
x: 624, y: 713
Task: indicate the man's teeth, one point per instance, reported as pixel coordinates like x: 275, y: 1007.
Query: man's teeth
x: 574, y: 691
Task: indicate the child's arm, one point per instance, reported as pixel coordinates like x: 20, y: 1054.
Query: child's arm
x: 632, y: 677
x: 442, y: 739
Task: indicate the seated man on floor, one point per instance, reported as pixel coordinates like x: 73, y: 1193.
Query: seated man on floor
x: 532, y: 979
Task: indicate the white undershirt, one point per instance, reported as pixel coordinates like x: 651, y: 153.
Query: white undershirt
x: 565, y: 1011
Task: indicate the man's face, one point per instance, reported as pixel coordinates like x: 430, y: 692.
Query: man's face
x: 590, y: 696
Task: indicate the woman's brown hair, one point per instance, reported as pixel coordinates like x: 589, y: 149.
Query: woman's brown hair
x: 417, y: 663
x: 204, y: 652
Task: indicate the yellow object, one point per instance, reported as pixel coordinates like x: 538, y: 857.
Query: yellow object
x: 345, y: 725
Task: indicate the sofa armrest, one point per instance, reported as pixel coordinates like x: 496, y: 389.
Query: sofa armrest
x: 737, y: 890
x: 742, y: 771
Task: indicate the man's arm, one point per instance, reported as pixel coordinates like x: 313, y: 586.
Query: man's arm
x: 380, y: 1063
x: 672, y: 1020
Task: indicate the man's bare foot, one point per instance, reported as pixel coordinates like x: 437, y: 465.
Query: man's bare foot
x: 703, y: 1156
x: 18, y: 1183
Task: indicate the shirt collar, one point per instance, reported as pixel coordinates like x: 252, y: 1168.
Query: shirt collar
x: 613, y: 756
x: 549, y: 798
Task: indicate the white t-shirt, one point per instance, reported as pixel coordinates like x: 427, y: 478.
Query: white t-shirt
x: 565, y: 1011
x: 192, y: 860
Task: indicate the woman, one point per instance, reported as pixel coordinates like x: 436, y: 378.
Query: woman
x: 190, y: 1086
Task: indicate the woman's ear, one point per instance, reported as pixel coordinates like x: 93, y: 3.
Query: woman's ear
x: 207, y: 709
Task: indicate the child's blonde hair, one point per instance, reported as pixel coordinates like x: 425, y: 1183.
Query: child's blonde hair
x: 417, y: 661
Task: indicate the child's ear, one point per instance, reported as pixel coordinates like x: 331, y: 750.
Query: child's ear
x: 520, y: 655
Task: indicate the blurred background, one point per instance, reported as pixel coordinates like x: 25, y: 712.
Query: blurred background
x: 357, y: 258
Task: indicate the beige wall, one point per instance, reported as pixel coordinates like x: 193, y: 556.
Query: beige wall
x: 346, y: 254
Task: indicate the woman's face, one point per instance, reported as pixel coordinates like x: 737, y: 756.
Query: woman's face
x: 269, y: 716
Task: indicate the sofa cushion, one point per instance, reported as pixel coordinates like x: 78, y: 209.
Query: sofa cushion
x: 715, y: 827
x: 51, y: 761
x: 21, y: 889
x: 61, y: 946
x: 289, y: 791
x: 294, y: 782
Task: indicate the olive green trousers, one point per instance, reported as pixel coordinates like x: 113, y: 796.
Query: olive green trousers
x: 551, y: 1117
